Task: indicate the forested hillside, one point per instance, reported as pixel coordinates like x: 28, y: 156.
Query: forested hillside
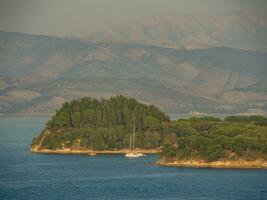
x: 211, y: 139
x: 104, y: 124
x: 108, y: 124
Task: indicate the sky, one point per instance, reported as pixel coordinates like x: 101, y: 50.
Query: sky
x: 83, y: 17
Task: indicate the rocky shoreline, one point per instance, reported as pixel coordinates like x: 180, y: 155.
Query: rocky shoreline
x: 229, y: 164
x: 89, y: 151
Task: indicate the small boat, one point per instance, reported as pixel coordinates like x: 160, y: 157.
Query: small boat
x: 92, y: 154
x: 133, y: 154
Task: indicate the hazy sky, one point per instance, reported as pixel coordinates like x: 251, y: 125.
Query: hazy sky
x: 82, y: 17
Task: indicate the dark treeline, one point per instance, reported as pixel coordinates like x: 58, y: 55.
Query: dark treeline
x: 105, y: 113
x: 108, y: 124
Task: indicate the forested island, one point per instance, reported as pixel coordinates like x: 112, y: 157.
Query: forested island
x: 105, y: 126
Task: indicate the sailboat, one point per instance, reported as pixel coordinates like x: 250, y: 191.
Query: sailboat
x: 133, y: 154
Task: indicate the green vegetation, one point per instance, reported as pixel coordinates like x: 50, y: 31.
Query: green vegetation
x: 212, y: 138
x: 104, y: 124
x: 108, y: 124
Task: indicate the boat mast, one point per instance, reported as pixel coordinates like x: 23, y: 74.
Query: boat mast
x: 130, y: 142
x: 134, y: 138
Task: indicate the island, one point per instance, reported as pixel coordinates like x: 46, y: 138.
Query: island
x: 109, y: 126
x: 88, y: 125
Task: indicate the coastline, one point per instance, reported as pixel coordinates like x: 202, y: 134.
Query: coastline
x: 90, y: 151
x: 221, y: 164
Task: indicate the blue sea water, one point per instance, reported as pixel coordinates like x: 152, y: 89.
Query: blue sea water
x: 24, y: 175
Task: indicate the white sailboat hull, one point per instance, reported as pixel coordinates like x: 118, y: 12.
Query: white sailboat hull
x: 132, y: 155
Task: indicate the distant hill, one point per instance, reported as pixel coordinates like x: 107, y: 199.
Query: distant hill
x: 39, y: 73
x: 244, y: 29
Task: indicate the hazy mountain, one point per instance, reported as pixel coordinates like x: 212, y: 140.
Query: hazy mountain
x: 38, y: 73
x: 244, y: 29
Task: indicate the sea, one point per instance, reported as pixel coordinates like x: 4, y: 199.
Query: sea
x: 26, y: 175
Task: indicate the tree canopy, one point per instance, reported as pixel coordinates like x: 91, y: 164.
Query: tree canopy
x: 212, y: 138
x: 105, y: 124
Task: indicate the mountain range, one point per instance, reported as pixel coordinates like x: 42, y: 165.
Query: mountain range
x: 246, y: 29
x: 225, y: 73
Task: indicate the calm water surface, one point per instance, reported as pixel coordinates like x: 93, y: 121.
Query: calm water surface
x: 24, y: 175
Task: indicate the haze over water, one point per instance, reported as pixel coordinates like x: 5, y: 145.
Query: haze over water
x: 24, y: 175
